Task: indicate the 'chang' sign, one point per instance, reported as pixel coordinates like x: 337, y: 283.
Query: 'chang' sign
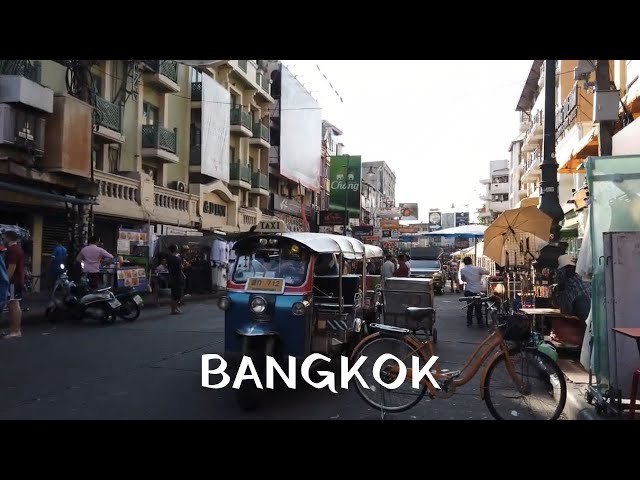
x: 345, y: 184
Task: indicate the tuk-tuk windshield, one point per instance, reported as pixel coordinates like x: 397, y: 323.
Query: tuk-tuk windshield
x: 272, y: 263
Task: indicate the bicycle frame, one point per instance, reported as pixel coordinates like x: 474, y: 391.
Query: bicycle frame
x: 468, y: 370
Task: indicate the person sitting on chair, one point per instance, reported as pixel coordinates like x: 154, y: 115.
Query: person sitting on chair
x: 572, y: 294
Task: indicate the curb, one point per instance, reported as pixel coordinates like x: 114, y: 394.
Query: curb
x: 35, y: 315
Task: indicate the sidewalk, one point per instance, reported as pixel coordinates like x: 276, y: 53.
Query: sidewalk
x: 36, y: 303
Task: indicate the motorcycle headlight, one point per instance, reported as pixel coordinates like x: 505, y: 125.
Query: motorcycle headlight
x: 62, y: 266
x: 224, y: 303
x: 299, y: 308
x: 258, y: 305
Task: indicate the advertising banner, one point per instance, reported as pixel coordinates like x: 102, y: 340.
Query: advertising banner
x: 331, y: 218
x: 408, y: 211
x: 408, y: 230
x: 300, y: 134
x: 362, y: 231
x: 345, y: 184
x: 393, y: 212
x: 462, y: 218
x: 216, y: 127
x: 407, y: 238
x: 448, y: 220
x: 386, y: 224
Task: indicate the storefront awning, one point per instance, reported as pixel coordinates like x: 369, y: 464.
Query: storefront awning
x: 587, y: 146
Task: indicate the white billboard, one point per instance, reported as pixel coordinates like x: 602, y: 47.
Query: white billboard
x: 216, y: 125
x: 300, y: 133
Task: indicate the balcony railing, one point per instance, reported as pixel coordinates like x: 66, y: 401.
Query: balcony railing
x: 241, y: 117
x: 248, y: 217
x: 266, y: 84
x: 259, y: 77
x: 259, y: 180
x: 115, y: 187
x: 171, y: 199
x: 155, y: 136
x: 167, y: 68
x: 567, y: 113
x: 195, y: 155
x: 108, y: 114
x: 532, y: 159
x: 240, y: 172
x: 24, y: 68
x: 243, y: 65
x: 196, y: 91
x: 260, y: 130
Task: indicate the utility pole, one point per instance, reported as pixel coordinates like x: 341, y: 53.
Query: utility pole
x: 605, y: 134
x: 550, y: 201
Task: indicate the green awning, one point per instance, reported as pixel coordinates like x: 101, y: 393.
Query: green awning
x: 569, y: 225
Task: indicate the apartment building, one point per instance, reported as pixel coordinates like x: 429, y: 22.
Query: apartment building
x: 378, y: 190
x: 496, y: 195
x: 243, y: 87
x: 516, y: 190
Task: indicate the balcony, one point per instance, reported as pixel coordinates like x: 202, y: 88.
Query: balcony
x: 567, y: 114
x: 163, y: 75
x: 535, y: 133
x: 19, y: 83
x: 485, y: 181
x: 484, y: 213
x: 485, y: 197
x: 196, y: 92
x: 118, y: 196
x: 241, y: 122
x: 108, y: 118
x: 260, y: 184
x: 261, y: 134
x: 174, y: 207
x: 263, y: 82
x: 499, y: 206
x: 500, y: 187
x: 239, y: 176
x: 525, y: 122
x: 160, y: 143
x: 532, y: 167
x: 242, y: 65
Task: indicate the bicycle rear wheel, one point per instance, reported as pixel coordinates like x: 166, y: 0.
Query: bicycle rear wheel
x: 542, y: 396
x: 380, y: 397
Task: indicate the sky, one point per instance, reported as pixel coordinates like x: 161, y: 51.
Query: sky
x: 437, y: 124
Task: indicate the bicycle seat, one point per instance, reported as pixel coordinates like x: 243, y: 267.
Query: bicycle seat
x: 419, y: 311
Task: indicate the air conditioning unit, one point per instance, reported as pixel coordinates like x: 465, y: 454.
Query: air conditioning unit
x: 179, y: 186
x: 22, y: 128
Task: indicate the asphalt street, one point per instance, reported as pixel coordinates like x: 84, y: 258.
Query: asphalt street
x: 151, y: 369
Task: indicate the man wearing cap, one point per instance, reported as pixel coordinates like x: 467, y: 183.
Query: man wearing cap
x: 573, y: 295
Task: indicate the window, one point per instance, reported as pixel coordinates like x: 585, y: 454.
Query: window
x: 251, y: 164
x: 234, y: 100
x: 151, y: 114
x: 232, y: 154
x: 196, y: 135
x: 196, y: 75
x: 633, y: 71
x: 97, y: 83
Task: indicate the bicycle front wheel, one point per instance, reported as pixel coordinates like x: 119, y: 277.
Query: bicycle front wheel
x: 387, y: 397
x: 542, y: 392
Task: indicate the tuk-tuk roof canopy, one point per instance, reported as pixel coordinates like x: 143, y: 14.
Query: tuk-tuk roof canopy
x: 371, y: 251
x: 350, y: 247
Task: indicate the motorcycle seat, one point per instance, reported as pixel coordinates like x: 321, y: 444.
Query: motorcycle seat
x: 100, y: 290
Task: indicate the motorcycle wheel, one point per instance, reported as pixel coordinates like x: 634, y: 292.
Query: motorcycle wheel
x: 129, y: 311
x: 108, y: 318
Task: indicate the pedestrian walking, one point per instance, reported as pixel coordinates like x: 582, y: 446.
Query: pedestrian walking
x: 388, y: 268
x: 92, y: 255
x: 471, y: 276
x: 402, y: 270
x: 176, y: 278
x: 14, y: 261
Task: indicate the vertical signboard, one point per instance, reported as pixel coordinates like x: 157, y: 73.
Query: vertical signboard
x: 435, y: 221
x: 345, y: 184
x: 300, y: 133
x: 216, y: 124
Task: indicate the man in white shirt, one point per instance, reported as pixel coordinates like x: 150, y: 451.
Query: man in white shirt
x: 388, y: 268
x: 471, y: 276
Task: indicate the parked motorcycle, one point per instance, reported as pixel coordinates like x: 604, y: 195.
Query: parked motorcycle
x: 131, y: 301
x: 79, y: 301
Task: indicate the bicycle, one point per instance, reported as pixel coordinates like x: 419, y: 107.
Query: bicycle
x: 512, y: 338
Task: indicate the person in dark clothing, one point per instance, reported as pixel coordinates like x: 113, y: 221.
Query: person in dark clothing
x: 176, y: 279
x: 14, y: 261
x: 403, y: 269
x: 572, y: 294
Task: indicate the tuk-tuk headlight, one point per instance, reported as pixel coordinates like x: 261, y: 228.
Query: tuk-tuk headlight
x: 258, y: 305
x: 299, y: 308
x: 224, y: 303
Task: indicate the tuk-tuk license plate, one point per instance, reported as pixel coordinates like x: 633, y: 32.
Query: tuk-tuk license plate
x: 265, y: 285
x: 137, y: 299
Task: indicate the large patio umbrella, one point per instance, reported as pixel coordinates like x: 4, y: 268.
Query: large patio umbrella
x: 522, y: 231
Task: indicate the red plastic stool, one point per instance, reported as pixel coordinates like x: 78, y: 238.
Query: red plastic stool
x: 634, y: 394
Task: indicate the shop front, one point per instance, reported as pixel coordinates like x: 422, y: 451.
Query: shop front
x: 289, y: 211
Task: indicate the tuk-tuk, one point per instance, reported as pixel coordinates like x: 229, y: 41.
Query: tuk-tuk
x: 288, y: 296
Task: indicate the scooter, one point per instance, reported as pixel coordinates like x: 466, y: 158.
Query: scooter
x: 79, y: 302
x: 131, y: 302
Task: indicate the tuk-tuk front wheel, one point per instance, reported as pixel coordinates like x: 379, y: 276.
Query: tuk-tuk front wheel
x: 248, y: 395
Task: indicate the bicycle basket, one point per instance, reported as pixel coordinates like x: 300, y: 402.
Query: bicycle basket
x: 514, y: 327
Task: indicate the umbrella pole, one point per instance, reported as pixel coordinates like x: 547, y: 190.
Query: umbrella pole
x: 475, y: 250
